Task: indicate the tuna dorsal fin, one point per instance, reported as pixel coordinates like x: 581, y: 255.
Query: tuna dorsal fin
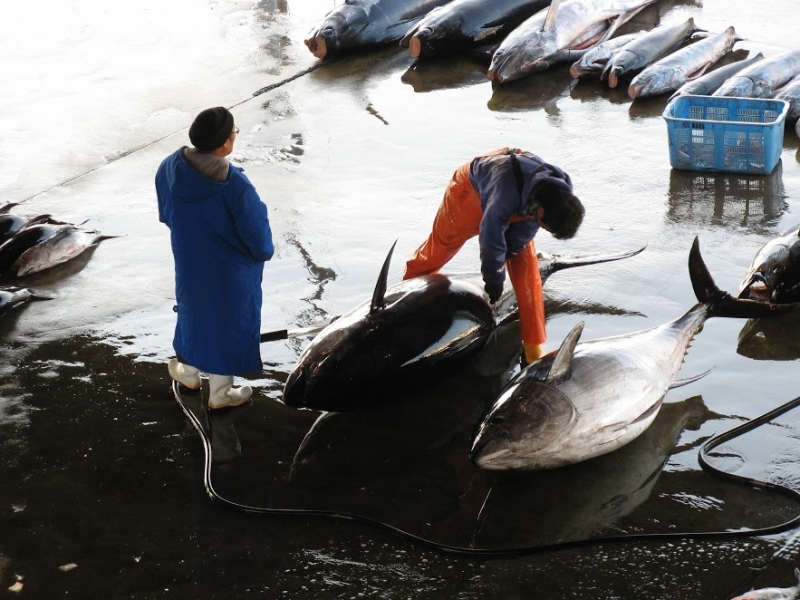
x: 380, y: 287
x: 562, y: 363
x: 552, y: 13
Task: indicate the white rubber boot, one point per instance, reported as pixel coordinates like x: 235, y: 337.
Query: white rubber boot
x: 222, y: 394
x: 185, y: 374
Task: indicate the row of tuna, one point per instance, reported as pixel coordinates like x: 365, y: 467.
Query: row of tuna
x: 583, y: 400
x: 679, y: 59
x: 30, y: 245
x: 527, y: 36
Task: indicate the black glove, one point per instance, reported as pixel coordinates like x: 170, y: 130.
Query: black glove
x: 494, y: 289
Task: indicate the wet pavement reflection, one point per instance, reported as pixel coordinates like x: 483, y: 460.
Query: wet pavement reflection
x: 101, y: 468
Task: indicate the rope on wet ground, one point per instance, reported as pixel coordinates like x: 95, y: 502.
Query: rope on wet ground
x: 195, y: 417
x: 127, y: 153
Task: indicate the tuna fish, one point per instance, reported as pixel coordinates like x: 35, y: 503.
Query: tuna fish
x: 562, y: 32
x: 68, y: 243
x: 588, y: 399
x: 27, y: 237
x: 672, y: 71
x: 710, y: 82
x: 13, y: 296
x: 774, y: 274
x: 647, y: 49
x: 406, y: 331
x: 774, y: 593
x: 763, y: 78
x: 356, y: 24
x: 596, y: 59
x: 791, y: 94
x: 464, y: 24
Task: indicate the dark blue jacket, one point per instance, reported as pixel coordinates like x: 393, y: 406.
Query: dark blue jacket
x: 221, y: 238
x: 505, y: 228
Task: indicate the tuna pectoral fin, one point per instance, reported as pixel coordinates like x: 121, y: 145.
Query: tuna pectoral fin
x: 679, y: 382
x: 562, y: 363
x: 722, y: 304
x: 486, y: 33
x: 579, y: 260
x: 380, y: 287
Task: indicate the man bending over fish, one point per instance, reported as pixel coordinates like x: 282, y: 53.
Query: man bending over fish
x: 504, y: 197
x: 221, y: 238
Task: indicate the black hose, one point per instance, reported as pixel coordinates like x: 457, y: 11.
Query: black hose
x: 510, y: 552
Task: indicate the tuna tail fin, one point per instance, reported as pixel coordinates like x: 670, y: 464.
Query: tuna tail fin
x: 552, y: 13
x: 380, y: 288
x: 562, y: 363
x: 722, y: 304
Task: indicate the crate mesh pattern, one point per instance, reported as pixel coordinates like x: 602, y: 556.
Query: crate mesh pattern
x: 715, y: 133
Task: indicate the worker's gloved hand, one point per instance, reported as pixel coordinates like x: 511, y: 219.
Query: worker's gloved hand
x: 494, y: 290
x: 531, y: 353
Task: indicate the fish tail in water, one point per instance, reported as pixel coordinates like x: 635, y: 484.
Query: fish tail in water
x: 721, y: 303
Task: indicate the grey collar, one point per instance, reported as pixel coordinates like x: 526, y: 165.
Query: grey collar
x: 208, y: 165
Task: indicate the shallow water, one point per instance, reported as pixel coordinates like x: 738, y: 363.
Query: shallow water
x: 100, y: 467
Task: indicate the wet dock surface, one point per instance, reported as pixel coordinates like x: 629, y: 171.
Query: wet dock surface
x: 102, y: 469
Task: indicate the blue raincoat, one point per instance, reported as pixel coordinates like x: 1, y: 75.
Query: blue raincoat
x: 221, y: 238
x: 505, y: 228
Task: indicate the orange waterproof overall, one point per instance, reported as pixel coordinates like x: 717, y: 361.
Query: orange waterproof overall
x: 457, y: 220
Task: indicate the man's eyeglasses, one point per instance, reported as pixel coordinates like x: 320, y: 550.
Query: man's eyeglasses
x: 235, y: 130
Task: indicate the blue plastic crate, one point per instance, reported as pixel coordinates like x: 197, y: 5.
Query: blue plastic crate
x: 719, y: 133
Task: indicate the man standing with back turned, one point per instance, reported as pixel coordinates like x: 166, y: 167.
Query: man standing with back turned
x: 504, y: 197
x: 221, y: 237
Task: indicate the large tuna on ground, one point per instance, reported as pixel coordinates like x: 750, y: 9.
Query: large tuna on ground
x: 562, y: 32
x: 356, y: 24
x: 588, y: 399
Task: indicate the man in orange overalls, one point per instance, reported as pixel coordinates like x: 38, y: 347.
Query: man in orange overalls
x: 504, y: 197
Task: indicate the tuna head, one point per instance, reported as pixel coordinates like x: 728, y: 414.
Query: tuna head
x: 655, y: 81
x: 774, y: 274
x: 338, y: 30
x: 744, y: 87
x: 526, y: 425
x: 534, y: 53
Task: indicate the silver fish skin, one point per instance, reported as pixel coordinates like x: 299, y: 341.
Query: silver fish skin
x: 11, y: 296
x: 791, y: 94
x: 356, y: 24
x: 595, y: 60
x: 764, y: 77
x: 464, y: 24
x: 562, y: 32
x: 647, y: 49
x: 588, y: 399
x: 710, y: 82
x: 774, y: 593
x: 774, y: 273
x: 65, y: 245
x: 671, y: 72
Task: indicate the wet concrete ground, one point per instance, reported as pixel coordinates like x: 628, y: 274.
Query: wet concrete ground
x: 100, y: 467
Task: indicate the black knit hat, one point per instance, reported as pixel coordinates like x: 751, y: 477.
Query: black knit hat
x: 211, y: 128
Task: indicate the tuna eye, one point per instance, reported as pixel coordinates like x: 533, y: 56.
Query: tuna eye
x: 496, y: 421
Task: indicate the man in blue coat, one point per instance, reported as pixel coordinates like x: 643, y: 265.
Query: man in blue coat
x: 221, y: 237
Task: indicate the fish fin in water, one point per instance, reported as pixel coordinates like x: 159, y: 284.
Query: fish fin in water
x: 380, y: 288
x: 562, y: 363
x: 722, y: 304
x: 688, y: 380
